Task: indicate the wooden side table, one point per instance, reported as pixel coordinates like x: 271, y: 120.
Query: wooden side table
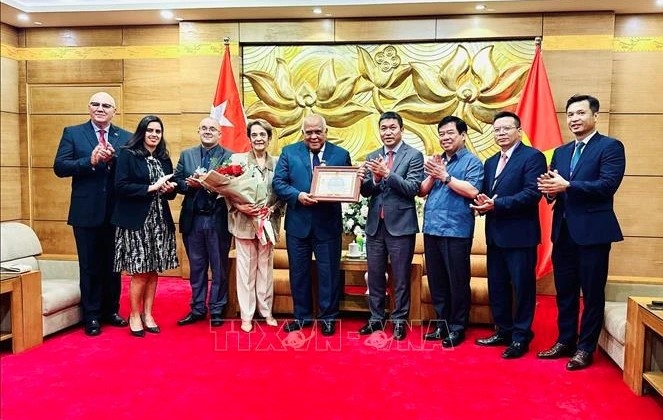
x: 25, y: 309
x: 640, y: 320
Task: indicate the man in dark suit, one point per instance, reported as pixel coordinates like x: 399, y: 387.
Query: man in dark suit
x: 87, y: 154
x: 396, y: 171
x: 582, y: 181
x: 311, y: 227
x: 453, y: 180
x: 510, y: 200
x: 204, y: 225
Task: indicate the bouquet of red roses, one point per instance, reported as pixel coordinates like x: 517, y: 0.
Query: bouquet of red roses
x: 231, y: 181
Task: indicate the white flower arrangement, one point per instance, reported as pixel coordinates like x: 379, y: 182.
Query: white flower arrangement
x: 354, y: 216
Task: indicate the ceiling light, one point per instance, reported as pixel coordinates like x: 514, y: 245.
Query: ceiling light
x: 167, y: 14
x: 36, y: 22
x: 659, y: 3
x: 23, y: 17
x: 480, y: 7
x: 179, y: 19
x: 317, y: 10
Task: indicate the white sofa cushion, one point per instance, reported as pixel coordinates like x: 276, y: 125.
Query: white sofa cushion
x: 614, y: 320
x: 57, y: 294
x: 17, y: 241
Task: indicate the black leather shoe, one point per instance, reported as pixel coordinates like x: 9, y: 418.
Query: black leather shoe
x: 496, y: 339
x: 151, y: 330
x: 116, y: 320
x: 190, y: 319
x: 399, y: 331
x: 215, y: 320
x: 296, y: 325
x: 370, y: 327
x: 453, y: 339
x: 515, y: 350
x: 137, y: 333
x: 92, y: 327
x: 328, y: 327
x: 437, y: 334
x: 557, y: 351
x: 580, y: 360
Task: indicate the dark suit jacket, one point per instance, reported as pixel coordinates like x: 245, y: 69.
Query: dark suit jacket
x: 133, y: 202
x: 190, y: 160
x: 396, y: 193
x: 587, y: 204
x: 293, y: 174
x: 514, y: 222
x: 92, y: 189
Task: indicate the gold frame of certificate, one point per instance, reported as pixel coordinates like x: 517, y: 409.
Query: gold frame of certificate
x: 335, y: 183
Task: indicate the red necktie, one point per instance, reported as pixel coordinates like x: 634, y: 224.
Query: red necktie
x: 102, y: 139
x: 390, y: 163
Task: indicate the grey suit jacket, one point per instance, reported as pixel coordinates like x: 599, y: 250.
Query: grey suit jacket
x: 396, y: 193
x: 190, y: 160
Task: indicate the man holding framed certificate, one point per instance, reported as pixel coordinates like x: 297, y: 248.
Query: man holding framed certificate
x: 311, y: 226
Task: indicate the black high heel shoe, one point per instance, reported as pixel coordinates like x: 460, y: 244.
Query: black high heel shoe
x: 136, y: 333
x: 152, y: 330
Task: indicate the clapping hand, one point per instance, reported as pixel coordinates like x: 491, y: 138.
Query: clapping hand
x: 552, y: 183
x: 378, y: 166
x: 436, y: 168
x: 483, y: 203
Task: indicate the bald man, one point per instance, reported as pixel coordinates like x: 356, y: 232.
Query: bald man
x: 87, y: 154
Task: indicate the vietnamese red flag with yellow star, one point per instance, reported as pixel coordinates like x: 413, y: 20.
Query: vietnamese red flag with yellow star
x: 541, y: 128
x: 227, y: 109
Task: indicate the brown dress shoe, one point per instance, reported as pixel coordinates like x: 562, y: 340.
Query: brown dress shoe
x: 557, y: 351
x: 580, y: 360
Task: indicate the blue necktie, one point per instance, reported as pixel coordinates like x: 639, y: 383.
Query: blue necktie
x: 206, y: 159
x: 576, y: 155
x: 316, y: 160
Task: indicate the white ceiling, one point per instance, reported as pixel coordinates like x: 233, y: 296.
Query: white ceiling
x: 67, y: 13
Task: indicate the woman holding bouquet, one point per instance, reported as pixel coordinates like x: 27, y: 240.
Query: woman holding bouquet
x: 255, y: 226
x: 145, y: 231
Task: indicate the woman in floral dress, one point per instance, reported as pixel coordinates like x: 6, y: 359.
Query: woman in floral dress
x: 145, y: 232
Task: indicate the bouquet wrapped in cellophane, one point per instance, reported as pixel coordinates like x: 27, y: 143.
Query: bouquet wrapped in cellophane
x: 236, y: 184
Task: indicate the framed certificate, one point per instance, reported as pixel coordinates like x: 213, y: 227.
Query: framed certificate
x: 335, y: 183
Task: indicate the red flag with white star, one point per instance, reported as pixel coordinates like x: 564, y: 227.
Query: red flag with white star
x: 536, y: 110
x: 227, y: 109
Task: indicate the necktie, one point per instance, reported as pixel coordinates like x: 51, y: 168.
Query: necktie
x: 102, y: 139
x: 316, y: 160
x: 576, y: 155
x: 390, y: 159
x: 206, y: 159
x: 501, y: 164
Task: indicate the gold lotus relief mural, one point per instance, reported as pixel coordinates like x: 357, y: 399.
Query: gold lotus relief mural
x: 350, y: 85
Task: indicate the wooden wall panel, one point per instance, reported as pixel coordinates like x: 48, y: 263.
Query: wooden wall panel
x: 637, y: 257
x: 569, y: 72
x: 50, y: 195
x: 9, y: 127
x: 635, y: 76
x: 8, y: 85
x: 62, y: 99
x: 56, y: 237
x: 208, y: 32
x: 643, y: 146
x: 355, y: 30
x: 22, y: 82
x: 595, y: 23
x: 8, y: 35
x: 283, y: 32
x: 639, y: 204
x: 151, y: 86
x: 151, y: 35
x: 10, y: 184
x: 25, y: 194
x: 101, y: 36
x: 45, y: 134
x: 74, y: 71
x: 489, y: 26
x: 639, y: 25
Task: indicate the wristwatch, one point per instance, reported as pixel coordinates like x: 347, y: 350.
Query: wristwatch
x: 447, y: 180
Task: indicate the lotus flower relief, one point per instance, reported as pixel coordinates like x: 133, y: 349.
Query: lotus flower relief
x: 472, y: 88
x: 381, y: 73
x: 285, y: 104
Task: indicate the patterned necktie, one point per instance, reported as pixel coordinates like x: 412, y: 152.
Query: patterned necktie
x: 501, y: 164
x: 102, y: 139
x: 316, y: 160
x: 576, y: 155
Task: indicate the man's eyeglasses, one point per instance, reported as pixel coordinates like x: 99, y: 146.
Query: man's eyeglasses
x: 210, y: 129
x: 503, y: 129
x: 98, y: 104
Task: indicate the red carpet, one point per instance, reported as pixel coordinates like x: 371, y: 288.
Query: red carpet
x: 191, y: 372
